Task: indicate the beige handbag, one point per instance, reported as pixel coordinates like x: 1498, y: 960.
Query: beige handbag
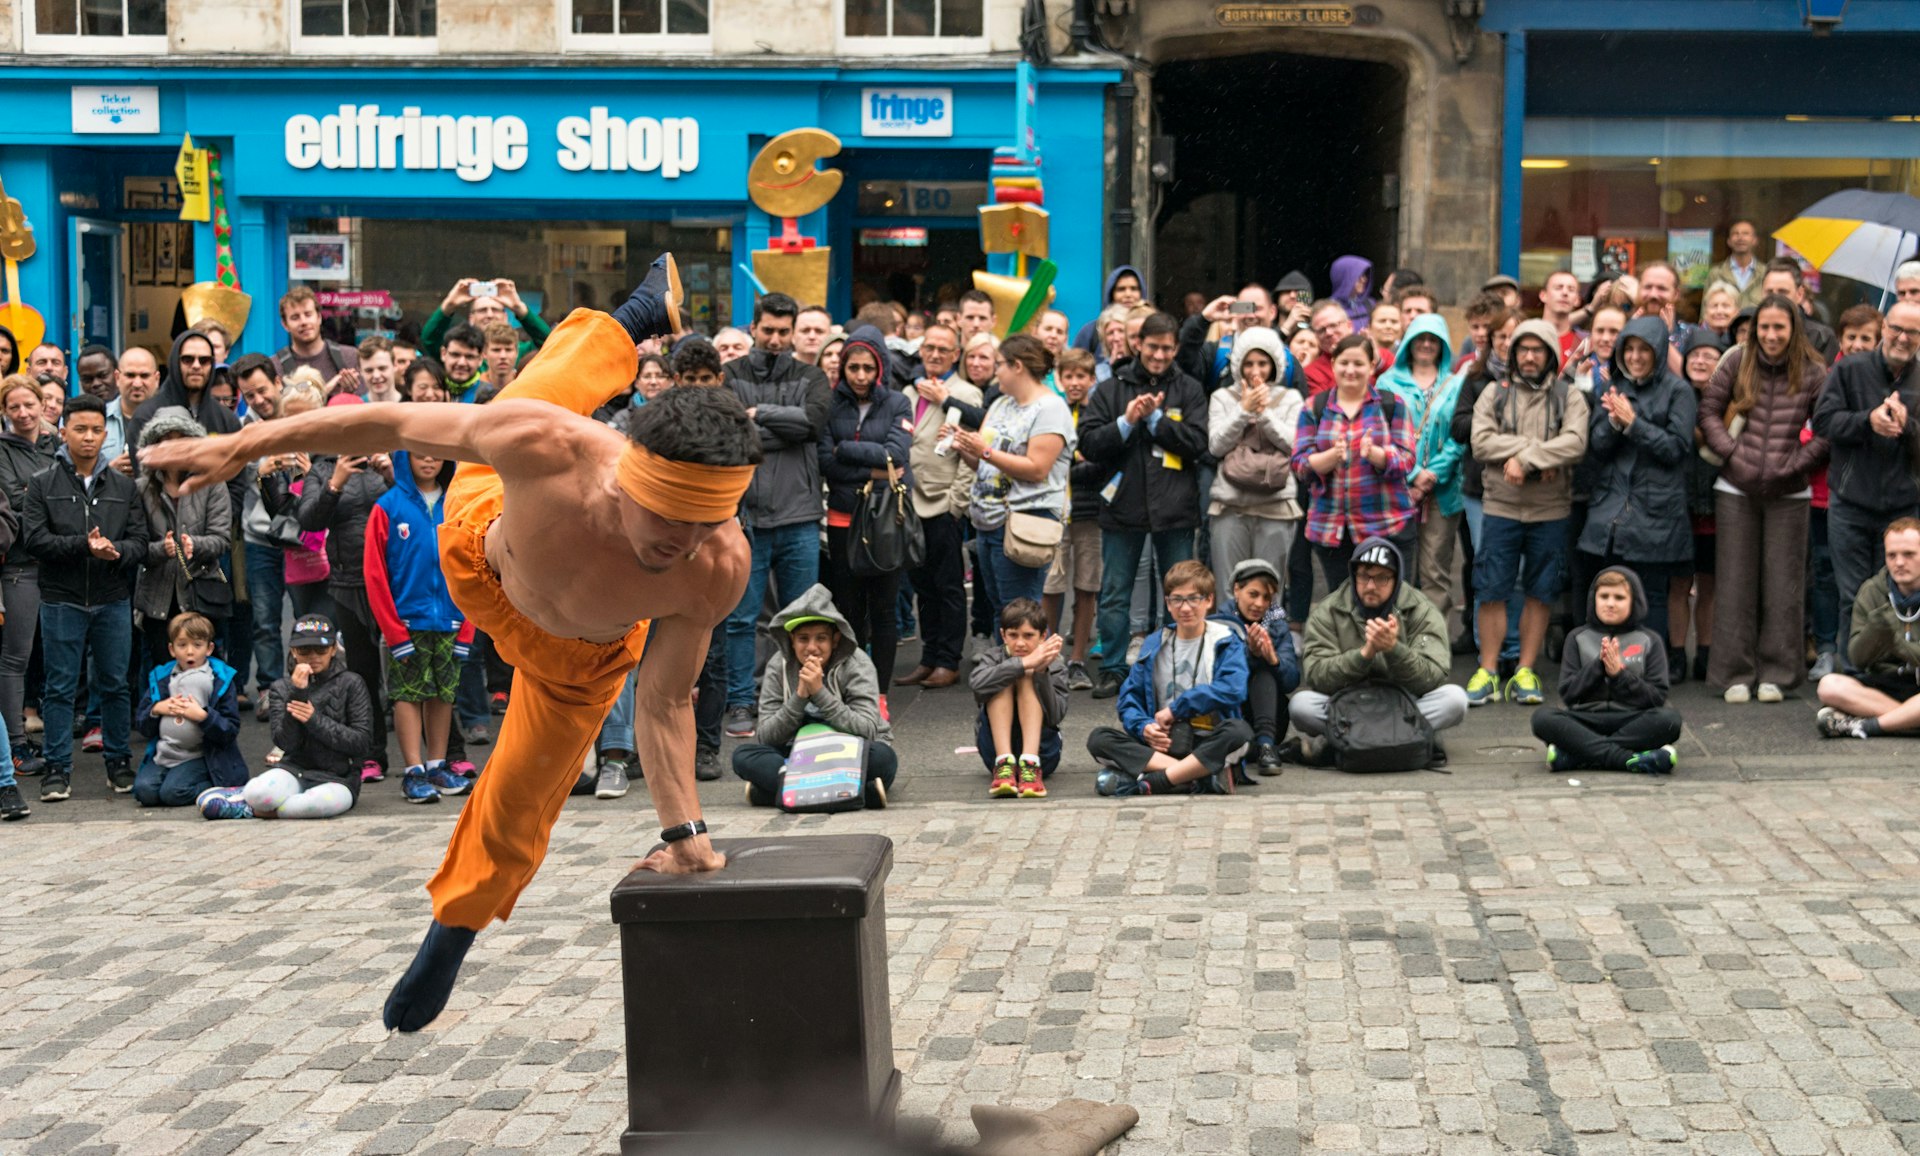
x: 1031, y: 540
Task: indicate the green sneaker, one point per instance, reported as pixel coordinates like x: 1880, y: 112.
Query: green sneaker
x: 1483, y: 687
x: 1553, y: 758
x: 1659, y: 761
x: 1524, y: 687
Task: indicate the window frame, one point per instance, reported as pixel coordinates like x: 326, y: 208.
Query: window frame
x: 628, y: 43
x: 81, y: 44
x: 890, y: 45
x: 348, y: 44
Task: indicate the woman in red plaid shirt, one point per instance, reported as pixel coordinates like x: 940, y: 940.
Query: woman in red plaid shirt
x: 1354, y: 447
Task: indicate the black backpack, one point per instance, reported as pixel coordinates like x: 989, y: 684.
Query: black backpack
x: 1376, y: 726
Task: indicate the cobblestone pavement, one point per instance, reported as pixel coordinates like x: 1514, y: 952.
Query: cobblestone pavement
x: 1496, y: 960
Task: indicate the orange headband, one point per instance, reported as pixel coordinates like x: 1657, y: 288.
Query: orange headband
x: 682, y: 491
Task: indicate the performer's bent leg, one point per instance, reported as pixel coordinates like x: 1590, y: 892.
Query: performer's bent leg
x: 502, y: 833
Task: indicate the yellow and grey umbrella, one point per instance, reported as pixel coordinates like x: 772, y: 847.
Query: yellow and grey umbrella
x: 1856, y: 233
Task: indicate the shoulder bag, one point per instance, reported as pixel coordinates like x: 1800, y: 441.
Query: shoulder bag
x: 885, y: 536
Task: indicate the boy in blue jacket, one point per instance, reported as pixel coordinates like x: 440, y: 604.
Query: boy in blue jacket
x: 1273, y: 669
x: 426, y: 635
x: 190, y: 716
x: 1180, y: 704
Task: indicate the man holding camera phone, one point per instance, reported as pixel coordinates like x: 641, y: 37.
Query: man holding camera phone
x: 1206, y: 361
x: 487, y: 303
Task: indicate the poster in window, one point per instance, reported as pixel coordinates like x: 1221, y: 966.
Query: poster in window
x: 182, y: 251
x: 1690, y: 252
x: 317, y: 257
x: 1809, y: 272
x: 1616, y: 254
x: 140, y: 257
x: 1586, y: 262
x: 166, y: 259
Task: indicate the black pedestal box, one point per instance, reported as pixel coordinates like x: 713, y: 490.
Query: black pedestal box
x: 758, y: 993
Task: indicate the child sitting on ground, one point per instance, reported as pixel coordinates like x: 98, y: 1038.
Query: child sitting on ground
x: 1613, y: 680
x: 321, y: 716
x: 1021, y: 686
x: 1273, y: 669
x: 816, y: 676
x: 1180, y: 705
x: 426, y: 635
x: 191, y: 719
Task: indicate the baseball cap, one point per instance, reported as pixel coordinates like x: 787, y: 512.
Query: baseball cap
x: 1251, y: 568
x: 314, y: 630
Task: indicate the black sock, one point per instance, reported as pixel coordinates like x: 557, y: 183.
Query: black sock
x: 644, y: 314
x: 1870, y: 727
x: 422, y: 992
x: 1156, y: 783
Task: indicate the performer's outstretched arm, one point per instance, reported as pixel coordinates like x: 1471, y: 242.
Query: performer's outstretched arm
x: 514, y: 430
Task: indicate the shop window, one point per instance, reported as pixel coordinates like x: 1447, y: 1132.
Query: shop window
x: 365, y: 25
x: 400, y: 270
x: 93, y: 26
x: 613, y: 25
x: 1587, y: 213
x: 891, y: 26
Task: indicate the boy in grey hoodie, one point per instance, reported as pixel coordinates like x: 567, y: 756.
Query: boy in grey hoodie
x: 818, y: 676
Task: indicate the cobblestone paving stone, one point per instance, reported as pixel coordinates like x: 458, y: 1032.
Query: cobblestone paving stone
x: 1709, y: 967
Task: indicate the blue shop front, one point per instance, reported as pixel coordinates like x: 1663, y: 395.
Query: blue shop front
x: 382, y: 187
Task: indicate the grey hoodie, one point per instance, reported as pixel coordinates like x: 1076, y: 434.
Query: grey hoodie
x: 849, y: 697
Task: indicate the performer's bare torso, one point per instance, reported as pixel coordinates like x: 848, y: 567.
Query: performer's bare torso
x: 561, y: 551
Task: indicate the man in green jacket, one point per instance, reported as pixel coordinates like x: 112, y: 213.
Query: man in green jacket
x: 1376, y: 628
x: 486, y: 302
x: 1882, y: 697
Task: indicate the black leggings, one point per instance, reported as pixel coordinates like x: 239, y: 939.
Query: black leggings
x: 1604, y: 740
x: 868, y: 601
x: 1266, y: 706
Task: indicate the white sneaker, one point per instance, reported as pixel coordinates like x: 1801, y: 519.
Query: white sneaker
x: 1738, y: 693
x: 1768, y: 693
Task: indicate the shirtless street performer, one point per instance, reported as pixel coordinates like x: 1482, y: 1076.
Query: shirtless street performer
x: 608, y: 548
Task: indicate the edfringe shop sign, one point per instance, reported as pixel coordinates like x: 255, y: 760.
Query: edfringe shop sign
x: 474, y: 147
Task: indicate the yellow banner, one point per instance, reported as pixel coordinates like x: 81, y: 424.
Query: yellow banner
x: 196, y: 198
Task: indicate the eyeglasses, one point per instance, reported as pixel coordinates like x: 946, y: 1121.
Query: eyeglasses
x: 925, y: 348
x: 1185, y: 599
x: 194, y: 359
x: 1900, y: 331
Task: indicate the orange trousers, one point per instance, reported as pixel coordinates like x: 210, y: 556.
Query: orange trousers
x: 562, y: 687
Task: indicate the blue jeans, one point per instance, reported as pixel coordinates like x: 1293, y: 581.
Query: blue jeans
x: 1007, y: 579
x: 6, y: 755
x: 1120, y: 562
x: 616, y: 734
x: 1510, y: 645
x: 267, y: 586
x: 69, y: 632
x: 158, y: 786
x: 789, y: 556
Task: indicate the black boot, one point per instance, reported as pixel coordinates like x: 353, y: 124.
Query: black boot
x: 1266, y: 759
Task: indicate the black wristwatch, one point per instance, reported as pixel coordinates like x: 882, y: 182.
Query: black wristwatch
x: 684, y: 831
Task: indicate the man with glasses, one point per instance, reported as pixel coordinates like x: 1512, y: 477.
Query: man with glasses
x: 1866, y: 411
x: 1331, y: 326
x: 942, y: 483
x: 1375, y: 628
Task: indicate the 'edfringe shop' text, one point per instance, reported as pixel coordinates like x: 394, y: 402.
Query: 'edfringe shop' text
x: 472, y: 147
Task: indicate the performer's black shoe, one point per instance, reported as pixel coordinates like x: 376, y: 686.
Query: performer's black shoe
x: 654, y: 308
x: 422, y: 992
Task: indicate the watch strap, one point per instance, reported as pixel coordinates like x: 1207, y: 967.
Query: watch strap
x: 684, y: 831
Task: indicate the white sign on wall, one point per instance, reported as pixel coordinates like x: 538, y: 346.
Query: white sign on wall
x: 118, y: 109
x: 906, y: 112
